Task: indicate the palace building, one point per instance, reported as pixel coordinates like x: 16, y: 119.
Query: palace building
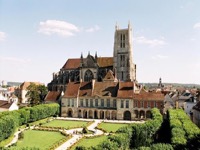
x: 104, y: 87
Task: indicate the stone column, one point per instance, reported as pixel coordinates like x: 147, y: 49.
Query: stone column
x: 87, y: 114
x: 98, y: 114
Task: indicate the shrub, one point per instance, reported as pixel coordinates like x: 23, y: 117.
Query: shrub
x: 85, y: 130
x: 80, y: 148
x: 21, y: 135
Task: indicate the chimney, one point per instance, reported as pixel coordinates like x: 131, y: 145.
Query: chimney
x: 93, y: 82
x: 81, y: 80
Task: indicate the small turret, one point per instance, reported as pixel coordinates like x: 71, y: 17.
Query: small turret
x: 96, y: 57
x: 81, y: 64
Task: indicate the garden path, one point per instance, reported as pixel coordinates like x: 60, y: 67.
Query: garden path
x: 76, y: 137
x: 16, y: 136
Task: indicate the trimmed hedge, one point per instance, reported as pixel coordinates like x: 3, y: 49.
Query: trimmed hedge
x: 182, y: 128
x: 144, y: 134
x: 10, y: 120
x: 159, y: 146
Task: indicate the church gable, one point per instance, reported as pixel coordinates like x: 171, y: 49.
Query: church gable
x: 89, y: 62
x: 109, y: 76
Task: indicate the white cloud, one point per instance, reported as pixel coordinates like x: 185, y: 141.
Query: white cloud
x: 93, y: 29
x: 161, y: 57
x: 61, y: 28
x: 2, y: 36
x: 193, y: 39
x: 150, y: 42
x: 196, y: 25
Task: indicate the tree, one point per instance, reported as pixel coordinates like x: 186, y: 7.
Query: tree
x: 42, y: 89
x: 36, y: 93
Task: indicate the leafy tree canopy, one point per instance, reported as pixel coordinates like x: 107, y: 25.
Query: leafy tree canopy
x: 36, y: 93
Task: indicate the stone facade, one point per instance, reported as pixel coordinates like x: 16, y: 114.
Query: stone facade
x: 196, y: 114
x: 109, y: 100
x: 122, y: 56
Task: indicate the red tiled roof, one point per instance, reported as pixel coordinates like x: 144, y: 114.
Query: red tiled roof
x: 72, y: 89
x: 24, y: 85
x: 105, y: 61
x: 5, y: 104
x: 125, y: 90
x: 72, y: 63
x: 149, y: 96
x: 85, y: 89
x: 105, y: 89
x: 52, y: 96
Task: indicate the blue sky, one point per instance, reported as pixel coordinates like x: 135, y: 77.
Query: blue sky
x: 37, y: 37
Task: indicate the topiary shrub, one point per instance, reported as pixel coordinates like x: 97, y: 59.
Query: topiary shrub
x: 21, y: 135
x: 85, y: 130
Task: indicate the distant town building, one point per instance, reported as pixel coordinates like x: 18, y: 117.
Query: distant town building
x: 160, y: 85
x: 168, y: 103
x: 196, y: 114
x: 4, y: 83
x: 22, y: 91
x: 8, y: 106
x: 8, y: 101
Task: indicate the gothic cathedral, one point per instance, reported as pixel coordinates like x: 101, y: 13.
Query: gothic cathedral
x: 120, y: 66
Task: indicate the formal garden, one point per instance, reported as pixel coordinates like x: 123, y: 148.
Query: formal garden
x: 67, y: 124
x: 38, y: 139
x: 88, y: 142
x: 40, y: 130
x: 111, y: 127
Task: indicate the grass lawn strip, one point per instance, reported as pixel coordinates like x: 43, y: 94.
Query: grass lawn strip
x: 111, y: 127
x: 39, y: 139
x: 90, y: 141
x: 67, y: 124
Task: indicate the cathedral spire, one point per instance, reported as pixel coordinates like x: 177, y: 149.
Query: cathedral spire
x: 116, y: 26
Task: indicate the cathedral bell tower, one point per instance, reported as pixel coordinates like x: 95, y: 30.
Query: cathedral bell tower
x: 122, y: 54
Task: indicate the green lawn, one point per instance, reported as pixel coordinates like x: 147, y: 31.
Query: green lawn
x: 88, y: 142
x: 66, y: 124
x: 39, y: 139
x: 111, y: 127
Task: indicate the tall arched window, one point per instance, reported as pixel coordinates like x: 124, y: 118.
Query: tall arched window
x: 88, y: 76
